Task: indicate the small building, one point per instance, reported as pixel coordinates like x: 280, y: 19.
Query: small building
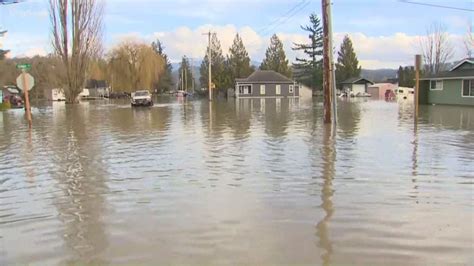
x: 266, y: 84
x: 454, y: 87
x: 85, y: 93
x: 380, y: 90
x: 356, y: 85
x: 54, y: 95
x: 97, y: 88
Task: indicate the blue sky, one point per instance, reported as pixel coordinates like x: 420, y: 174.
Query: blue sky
x: 385, y: 32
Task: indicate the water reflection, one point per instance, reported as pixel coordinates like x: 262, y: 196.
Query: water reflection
x: 81, y: 177
x: 328, y: 155
x: 349, y: 116
x: 236, y: 182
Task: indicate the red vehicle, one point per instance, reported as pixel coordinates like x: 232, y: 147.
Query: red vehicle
x: 13, y: 96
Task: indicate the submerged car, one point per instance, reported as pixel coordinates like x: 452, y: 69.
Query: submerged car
x: 16, y: 101
x: 13, y: 95
x: 141, y: 98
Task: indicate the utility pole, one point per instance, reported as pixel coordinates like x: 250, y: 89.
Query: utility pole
x: 182, y: 77
x: 209, y: 57
x: 185, y: 75
x: 333, y: 68
x: 192, y: 73
x: 417, y: 85
x: 327, y: 52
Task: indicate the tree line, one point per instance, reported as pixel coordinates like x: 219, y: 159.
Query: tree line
x: 78, y: 55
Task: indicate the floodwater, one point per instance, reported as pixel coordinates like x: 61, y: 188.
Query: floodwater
x: 237, y: 183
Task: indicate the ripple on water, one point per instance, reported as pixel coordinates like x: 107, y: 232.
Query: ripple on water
x: 236, y: 183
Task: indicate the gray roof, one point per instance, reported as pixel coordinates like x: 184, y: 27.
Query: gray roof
x: 356, y: 79
x: 460, y: 73
x: 265, y: 76
x: 466, y: 60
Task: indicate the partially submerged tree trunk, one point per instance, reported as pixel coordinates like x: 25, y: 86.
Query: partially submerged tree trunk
x: 76, y: 38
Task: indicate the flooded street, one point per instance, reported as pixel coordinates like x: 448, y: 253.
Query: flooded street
x: 237, y: 183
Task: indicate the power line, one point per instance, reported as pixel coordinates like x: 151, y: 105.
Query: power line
x: 282, y: 19
x: 286, y: 19
x: 435, y: 5
x: 264, y: 28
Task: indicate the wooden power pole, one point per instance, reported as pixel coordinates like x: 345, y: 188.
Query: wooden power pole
x: 185, y: 76
x: 417, y: 84
x: 327, y: 62
x: 209, y: 57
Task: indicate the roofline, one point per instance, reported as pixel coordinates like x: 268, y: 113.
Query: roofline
x: 441, y: 78
x: 246, y: 81
x: 462, y: 62
x: 357, y: 80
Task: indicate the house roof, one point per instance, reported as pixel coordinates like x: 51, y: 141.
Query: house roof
x: 265, y: 76
x: 94, y: 84
x: 460, y: 63
x: 461, y: 73
x: 355, y: 80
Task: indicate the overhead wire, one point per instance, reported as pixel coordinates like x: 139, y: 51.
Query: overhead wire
x: 287, y: 16
x: 436, y: 5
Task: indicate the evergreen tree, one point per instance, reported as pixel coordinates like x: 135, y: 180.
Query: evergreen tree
x: 275, y: 58
x: 238, y: 60
x: 165, y: 82
x: 3, y: 54
x: 406, y: 76
x: 218, y: 65
x: 309, y: 70
x: 347, y: 65
x: 185, y: 75
x: 401, y: 76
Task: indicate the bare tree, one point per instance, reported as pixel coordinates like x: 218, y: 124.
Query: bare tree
x: 469, y: 41
x: 436, y: 48
x: 76, y: 38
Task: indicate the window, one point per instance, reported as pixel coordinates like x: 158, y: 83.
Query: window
x: 468, y: 88
x: 245, y: 89
x: 292, y: 89
x: 436, y: 85
x: 262, y: 89
x: 278, y: 90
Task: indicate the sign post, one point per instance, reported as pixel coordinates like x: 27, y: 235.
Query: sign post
x: 26, y: 82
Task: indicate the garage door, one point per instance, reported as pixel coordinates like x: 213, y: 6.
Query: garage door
x: 356, y: 88
x: 373, y: 91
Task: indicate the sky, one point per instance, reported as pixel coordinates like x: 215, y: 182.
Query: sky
x: 385, y: 33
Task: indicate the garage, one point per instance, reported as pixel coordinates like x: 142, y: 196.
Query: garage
x: 356, y: 85
x: 358, y: 88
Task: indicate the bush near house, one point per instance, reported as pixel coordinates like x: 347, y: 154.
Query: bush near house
x: 4, y: 106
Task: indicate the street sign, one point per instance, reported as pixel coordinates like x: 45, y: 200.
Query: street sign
x: 29, y: 80
x: 23, y: 66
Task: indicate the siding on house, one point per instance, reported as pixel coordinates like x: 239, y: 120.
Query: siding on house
x: 270, y: 90
x: 271, y: 80
x: 450, y: 94
x: 452, y: 85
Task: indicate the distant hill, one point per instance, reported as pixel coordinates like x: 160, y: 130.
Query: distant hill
x: 379, y: 75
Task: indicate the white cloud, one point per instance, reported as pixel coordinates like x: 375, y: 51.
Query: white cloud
x: 22, y: 45
x: 391, y: 51
x: 373, y: 51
